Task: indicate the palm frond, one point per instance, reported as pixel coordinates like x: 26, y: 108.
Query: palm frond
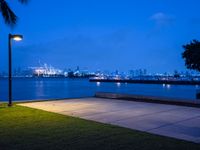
x: 9, y: 16
x: 23, y: 1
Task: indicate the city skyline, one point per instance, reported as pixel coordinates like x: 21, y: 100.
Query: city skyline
x: 106, y: 35
x: 48, y: 69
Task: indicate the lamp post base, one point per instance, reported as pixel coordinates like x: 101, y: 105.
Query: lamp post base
x: 9, y: 105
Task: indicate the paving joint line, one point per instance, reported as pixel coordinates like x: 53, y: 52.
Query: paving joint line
x: 174, y: 123
x: 144, y: 115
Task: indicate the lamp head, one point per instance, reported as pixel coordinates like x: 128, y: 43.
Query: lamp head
x: 17, y: 37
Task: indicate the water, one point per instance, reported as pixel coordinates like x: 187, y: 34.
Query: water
x: 50, y: 88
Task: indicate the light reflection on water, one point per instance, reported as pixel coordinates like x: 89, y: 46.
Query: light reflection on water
x: 98, y: 83
x: 168, y: 86
x: 118, y: 84
x: 39, y: 90
x: 49, y: 88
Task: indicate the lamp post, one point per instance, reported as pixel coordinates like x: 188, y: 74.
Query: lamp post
x: 11, y: 37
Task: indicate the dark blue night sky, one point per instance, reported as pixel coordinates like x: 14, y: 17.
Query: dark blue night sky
x: 103, y: 34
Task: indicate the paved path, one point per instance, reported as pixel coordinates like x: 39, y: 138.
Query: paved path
x: 168, y: 120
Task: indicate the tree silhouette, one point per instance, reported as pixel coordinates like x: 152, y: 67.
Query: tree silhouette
x: 9, y: 16
x: 191, y: 55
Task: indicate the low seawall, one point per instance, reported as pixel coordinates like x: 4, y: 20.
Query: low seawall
x: 149, y: 99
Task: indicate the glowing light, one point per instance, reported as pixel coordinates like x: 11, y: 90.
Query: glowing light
x: 17, y: 37
x: 163, y: 85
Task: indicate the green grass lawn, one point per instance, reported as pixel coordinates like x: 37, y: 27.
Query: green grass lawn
x: 24, y: 128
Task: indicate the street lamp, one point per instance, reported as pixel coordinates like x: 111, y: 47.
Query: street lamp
x: 11, y: 37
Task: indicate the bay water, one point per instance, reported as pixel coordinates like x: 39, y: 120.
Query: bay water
x: 58, y: 88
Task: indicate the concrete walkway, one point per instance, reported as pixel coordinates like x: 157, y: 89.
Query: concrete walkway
x: 168, y: 120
